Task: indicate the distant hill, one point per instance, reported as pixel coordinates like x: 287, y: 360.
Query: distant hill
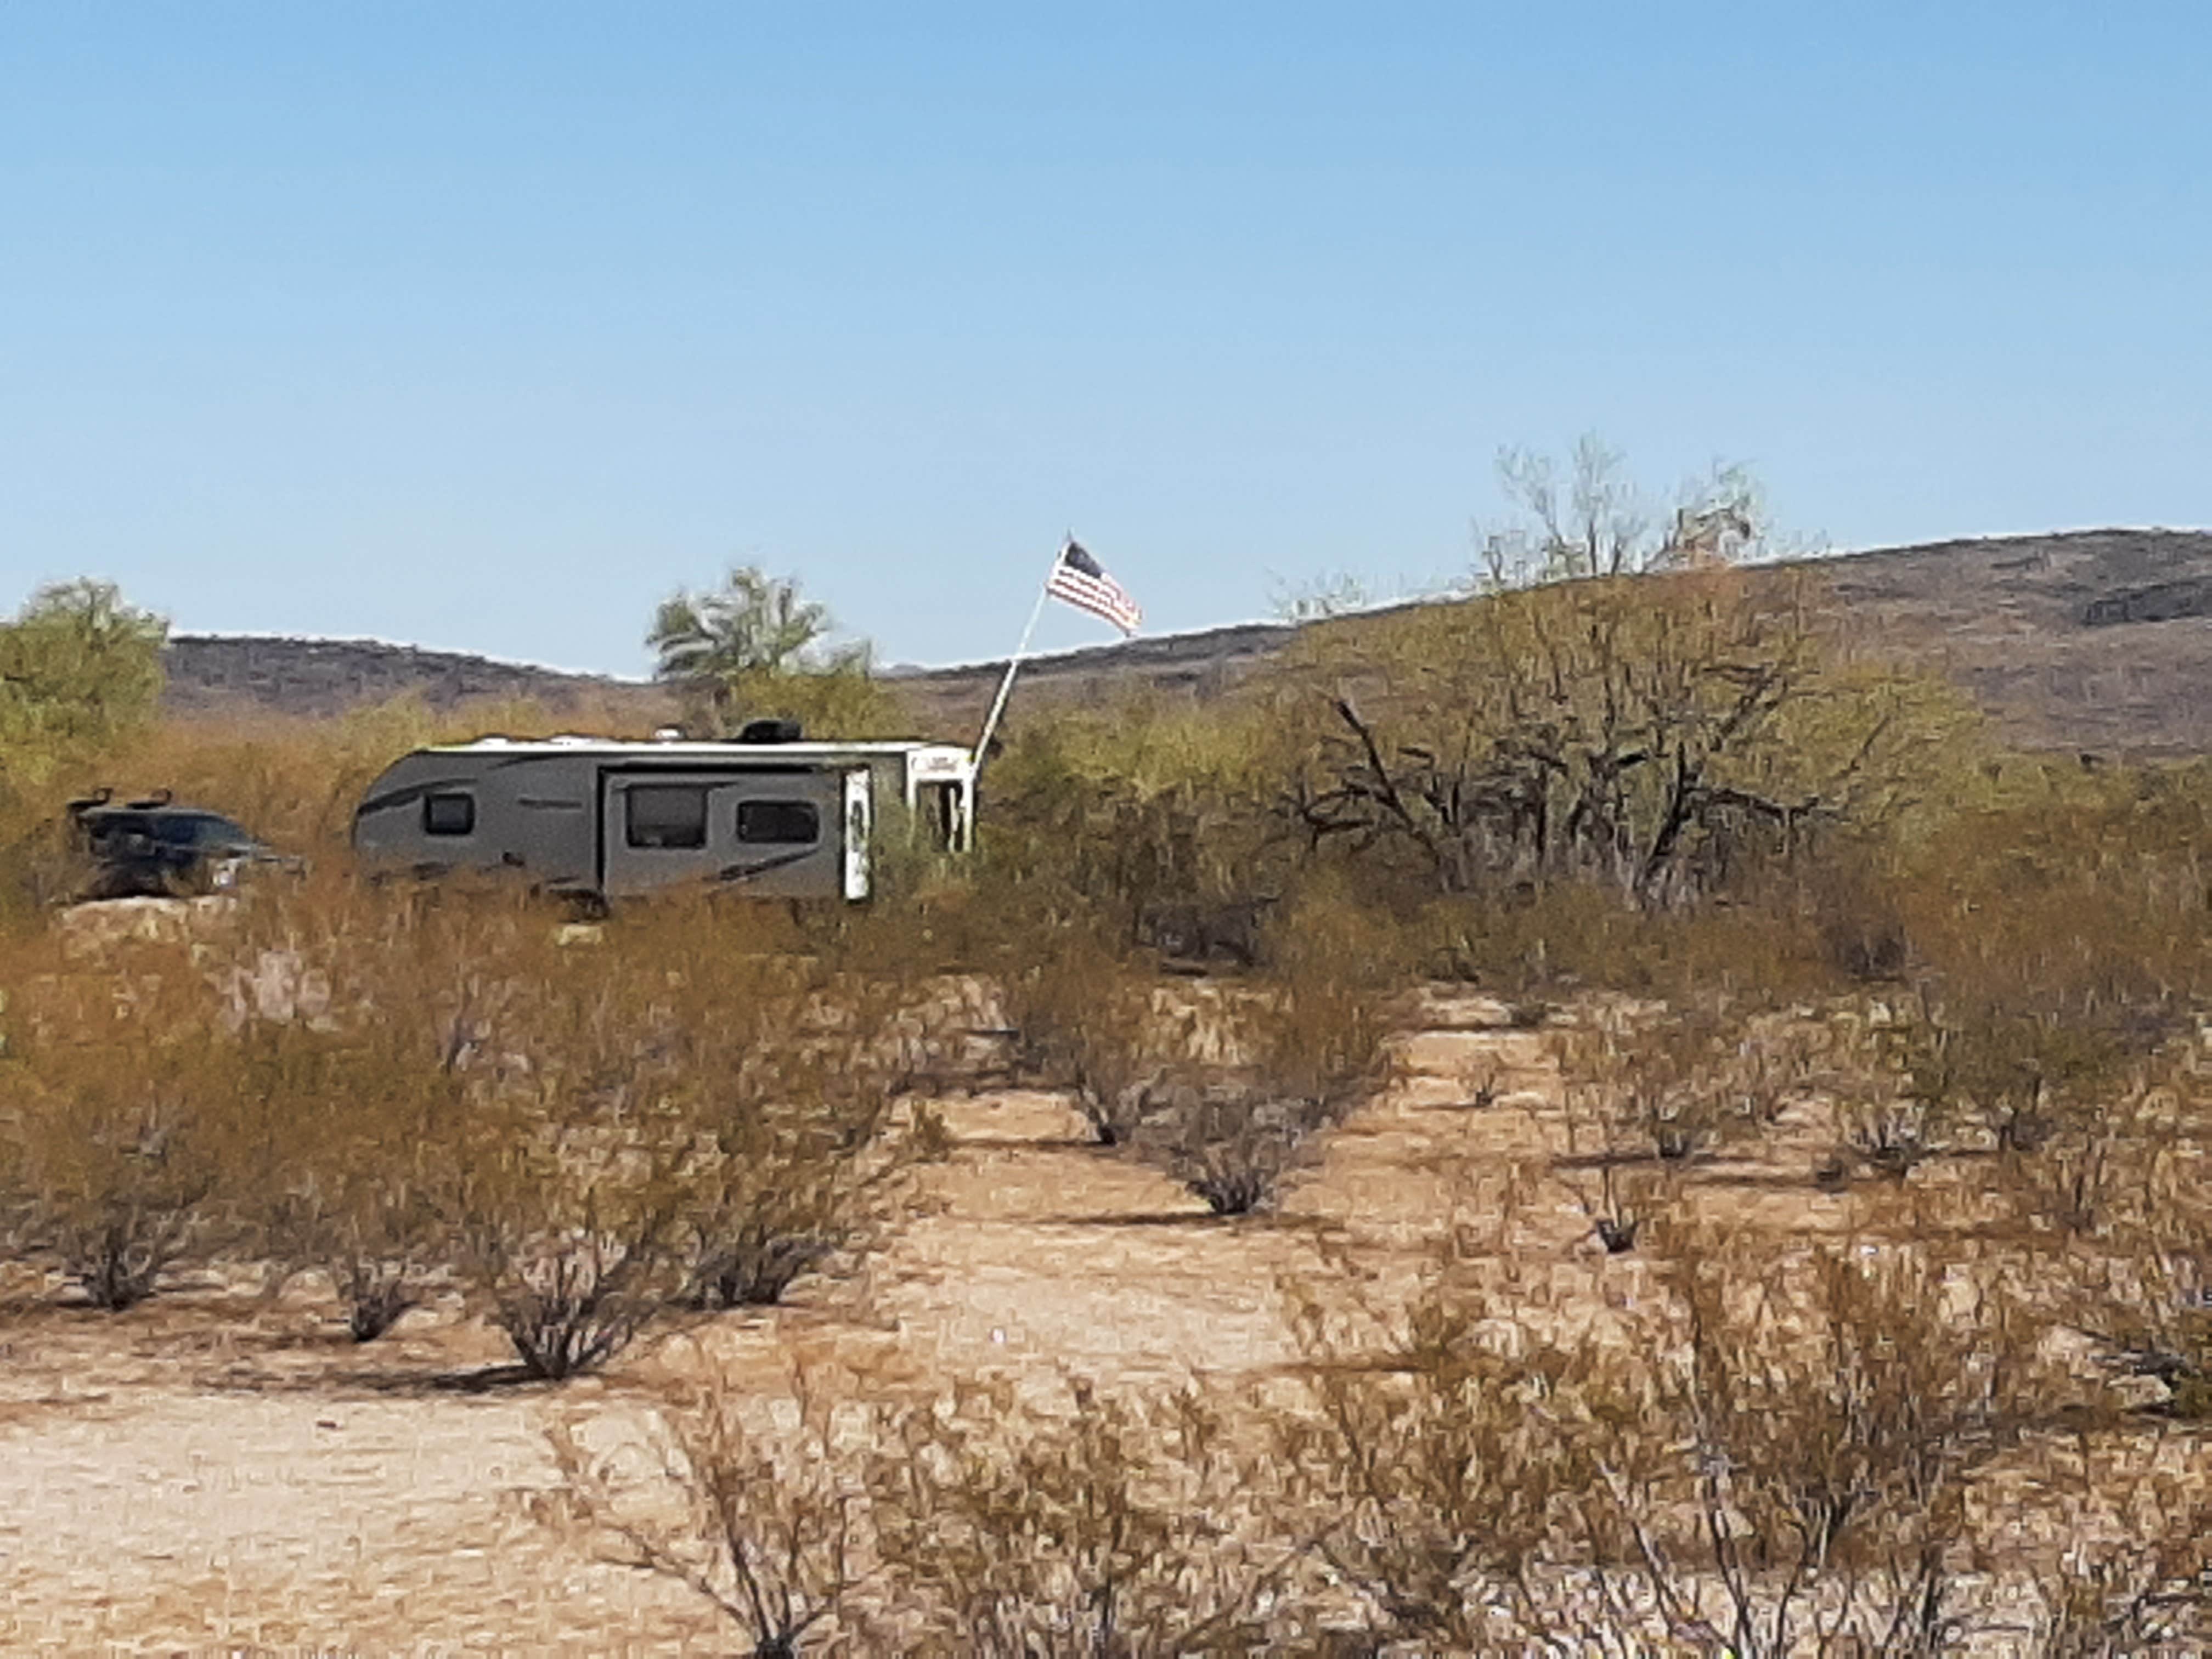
x: 2096, y: 640
x: 224, y: 674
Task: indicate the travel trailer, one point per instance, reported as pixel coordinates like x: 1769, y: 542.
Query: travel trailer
x: 774, y: 815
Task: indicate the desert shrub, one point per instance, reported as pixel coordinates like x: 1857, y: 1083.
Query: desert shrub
x: 698, y: 1120
x: 1929, y: 1075
x: 1278, y: 1062
x: 1885, y: 1119
x: 2074, y: 1181
x: 426, y: 1080
x: 1618, y: 1197
x: 1858, y: 916
x: 971, y: 1524
x: 1430, y: 1467
x: 751, y: 1262
x: 565, y: 1199
x: 1836, y: 1423
x: 1625, y: 1200
x: 763, y: 1524
x: 2060, y: 944
x: 789, y: 1179
x: 1221, y: 1086
x: 1134, y: 812
x: 2112, y: 1176
x: 561, y: 1171
x: 568, y: 1241
x: 1111, y: 1533
x: 788, y: 1071
x: 2009, y: 1076
x: 1259, y: 1069
x: 2144, y: 1587
x: 1891, y: 1134
x: 2141, y: 1276
x: 358, y: 1127
x: 117, y: 1136
x: 1776, y: 1454
x: 1315, y: 1016
x: 1229, y: 1139
x: 366, y: 1027
x: 375, y: 1281
x: 1534, y: 942
x: 1676, y: 1086
x: 574, y: 1300
x: 1897, y: 1098
x: 1082, y: 1017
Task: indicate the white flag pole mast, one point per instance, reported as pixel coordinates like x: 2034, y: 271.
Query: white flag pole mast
x: 1014, y: 662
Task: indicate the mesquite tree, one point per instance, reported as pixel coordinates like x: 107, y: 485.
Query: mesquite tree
x: 1649, y: 720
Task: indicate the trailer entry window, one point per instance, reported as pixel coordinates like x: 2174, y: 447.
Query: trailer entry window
x: 779, y: 823
x: 667, y: 815
x: 450, y: 814
x: 941, y: 812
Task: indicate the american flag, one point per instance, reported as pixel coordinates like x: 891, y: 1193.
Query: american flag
x: 1082, y: 581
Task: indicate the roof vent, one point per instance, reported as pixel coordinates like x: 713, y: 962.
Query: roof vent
x: 774, y: 730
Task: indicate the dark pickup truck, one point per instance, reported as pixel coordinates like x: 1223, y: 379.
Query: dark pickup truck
x: 155, y: 848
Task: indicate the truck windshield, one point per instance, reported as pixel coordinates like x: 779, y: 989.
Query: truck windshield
x: 199, y: 829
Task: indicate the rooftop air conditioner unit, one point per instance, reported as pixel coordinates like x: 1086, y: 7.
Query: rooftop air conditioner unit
x: 770, y: 731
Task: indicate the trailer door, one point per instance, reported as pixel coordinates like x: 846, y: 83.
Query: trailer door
x: 858, y: 829
x: 774, y: 831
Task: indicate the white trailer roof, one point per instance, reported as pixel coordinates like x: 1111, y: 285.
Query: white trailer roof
x: 706, y: 750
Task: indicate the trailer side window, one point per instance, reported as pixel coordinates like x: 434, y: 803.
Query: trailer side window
x: 449, y: 814
x: 668, y: 815
x: 779, y: 823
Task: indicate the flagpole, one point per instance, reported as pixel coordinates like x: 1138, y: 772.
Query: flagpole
x: 1014, y: 662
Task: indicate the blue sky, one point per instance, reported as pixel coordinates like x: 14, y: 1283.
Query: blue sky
x: 485, y: 326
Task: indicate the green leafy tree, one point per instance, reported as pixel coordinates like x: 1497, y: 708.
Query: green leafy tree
x: 754, y: 622
x: 78, y: 668
x: 755, y: 646
x: 1142, y: 802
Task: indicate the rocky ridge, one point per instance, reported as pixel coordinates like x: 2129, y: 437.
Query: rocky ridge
x: 2098, y: 641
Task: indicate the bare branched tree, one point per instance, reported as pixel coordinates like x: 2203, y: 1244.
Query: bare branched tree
x: 1645, y: 715
x: 1598, y: 524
